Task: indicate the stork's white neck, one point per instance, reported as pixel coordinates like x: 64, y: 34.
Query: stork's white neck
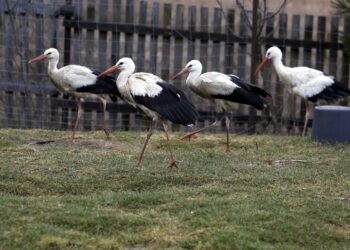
x: 193, y: 76
x: 123, y: 77
x: 52, y: 67
x: 281, y: 70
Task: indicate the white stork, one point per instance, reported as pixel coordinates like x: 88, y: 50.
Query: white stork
x: 69, y: 79
x: 155, y: 97
x: 222, y: 89
x: 308, y: 83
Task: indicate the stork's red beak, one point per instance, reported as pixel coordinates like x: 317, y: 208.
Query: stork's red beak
x: 261, y: 65
x: 38, y: 58
x: 182, y: 72
x: 109, y: 71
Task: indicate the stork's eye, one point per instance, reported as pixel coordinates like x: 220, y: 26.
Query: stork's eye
x: 268, y: 54
x: 121, y: 63
x: 190, y: 66
x: 49, y: 53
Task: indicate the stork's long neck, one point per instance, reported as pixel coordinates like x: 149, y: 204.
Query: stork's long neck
x: 123, y: 77
x: 193, y: 76
x: 281, y: 70
x: 52, y: 67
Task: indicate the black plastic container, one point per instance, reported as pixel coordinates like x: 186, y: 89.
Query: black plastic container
x: 331, y: 124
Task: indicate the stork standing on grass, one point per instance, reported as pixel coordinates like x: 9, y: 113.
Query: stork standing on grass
x: 157, y: 98
x: 222, y: 89
x: 69, y: 79
x: 308, y: 83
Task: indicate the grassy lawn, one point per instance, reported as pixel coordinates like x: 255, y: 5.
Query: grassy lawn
x: 270, y: 192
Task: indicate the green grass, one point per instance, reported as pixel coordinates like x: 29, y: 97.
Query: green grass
x: 270, y: 192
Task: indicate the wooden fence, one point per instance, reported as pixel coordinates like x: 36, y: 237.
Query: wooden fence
x: 161, y: 38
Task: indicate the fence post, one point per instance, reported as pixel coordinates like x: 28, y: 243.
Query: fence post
x: 129, y: 19
x: 229, y: 45
x: 140, y: 57
x: 294, y: 61
x: 279, y: 88
x: 154, y: 37
x: 8, y: 65
x: 191, y: 28
x: 215, y: 57
x: 165, y: 72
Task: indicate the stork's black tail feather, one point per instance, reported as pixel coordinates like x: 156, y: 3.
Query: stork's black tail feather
x: 333, y: 92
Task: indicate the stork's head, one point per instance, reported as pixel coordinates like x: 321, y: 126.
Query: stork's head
x: 273, y: 53
x: 191, y: 66
x: 124, y: 64
x: 49, y: 54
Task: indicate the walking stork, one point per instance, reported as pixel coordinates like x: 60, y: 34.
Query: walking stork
x: 69, y: 79
x: 155, y: 97
x: 308, y: 83
x: 223, y: 90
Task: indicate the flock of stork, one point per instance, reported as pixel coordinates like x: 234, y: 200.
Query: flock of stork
x: 161, y: 100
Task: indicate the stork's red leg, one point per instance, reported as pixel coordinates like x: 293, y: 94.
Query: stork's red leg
x: 79, y: 113
x: 189, y: 135
x: 105, y: 118
x: 170, y: 148
x: 227, y: 121
x: 307, y: 115
x: 149, y: 134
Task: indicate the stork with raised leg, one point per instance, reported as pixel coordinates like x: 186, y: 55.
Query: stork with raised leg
x: 308, y: 83
x: 69, y: 79
x: 223, y: 90
x: 157, y: 98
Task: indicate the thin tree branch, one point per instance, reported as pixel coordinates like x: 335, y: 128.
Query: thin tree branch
x: 241, y: 7
x: 219, y: 3
x: 276, y: 12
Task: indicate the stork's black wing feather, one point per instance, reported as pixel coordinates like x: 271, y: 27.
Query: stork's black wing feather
x: 248, y: 86
x: 105, y: 85
x: 171, y: 103
x: 245, y: 94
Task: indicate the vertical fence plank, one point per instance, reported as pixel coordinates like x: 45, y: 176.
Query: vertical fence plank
x: 178, y: 46
x: 215, y: 57
x: 76, y: 39
x: 308, y: 29
x: 8, y: 67
x: 66, y: 61
x: 279, y: 88
x: 269, y: 74
x: 204, y: 27
x: 40, y: 108
x: 102, y: 37
x: 229, y: 45
x: 191, y: 28
x: 140, y: 58
x: 116, y: 13
x: 154, y: 38
x: 345, y: 60
x: 129, y: 18
x: 321, y: 37
x: 21, y: 44
x: 102, y: 54
x: 242, y: 58
x: 294, y: 59
x: 333, y: 51
x: 89, y: 57
x: 166, y: 42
